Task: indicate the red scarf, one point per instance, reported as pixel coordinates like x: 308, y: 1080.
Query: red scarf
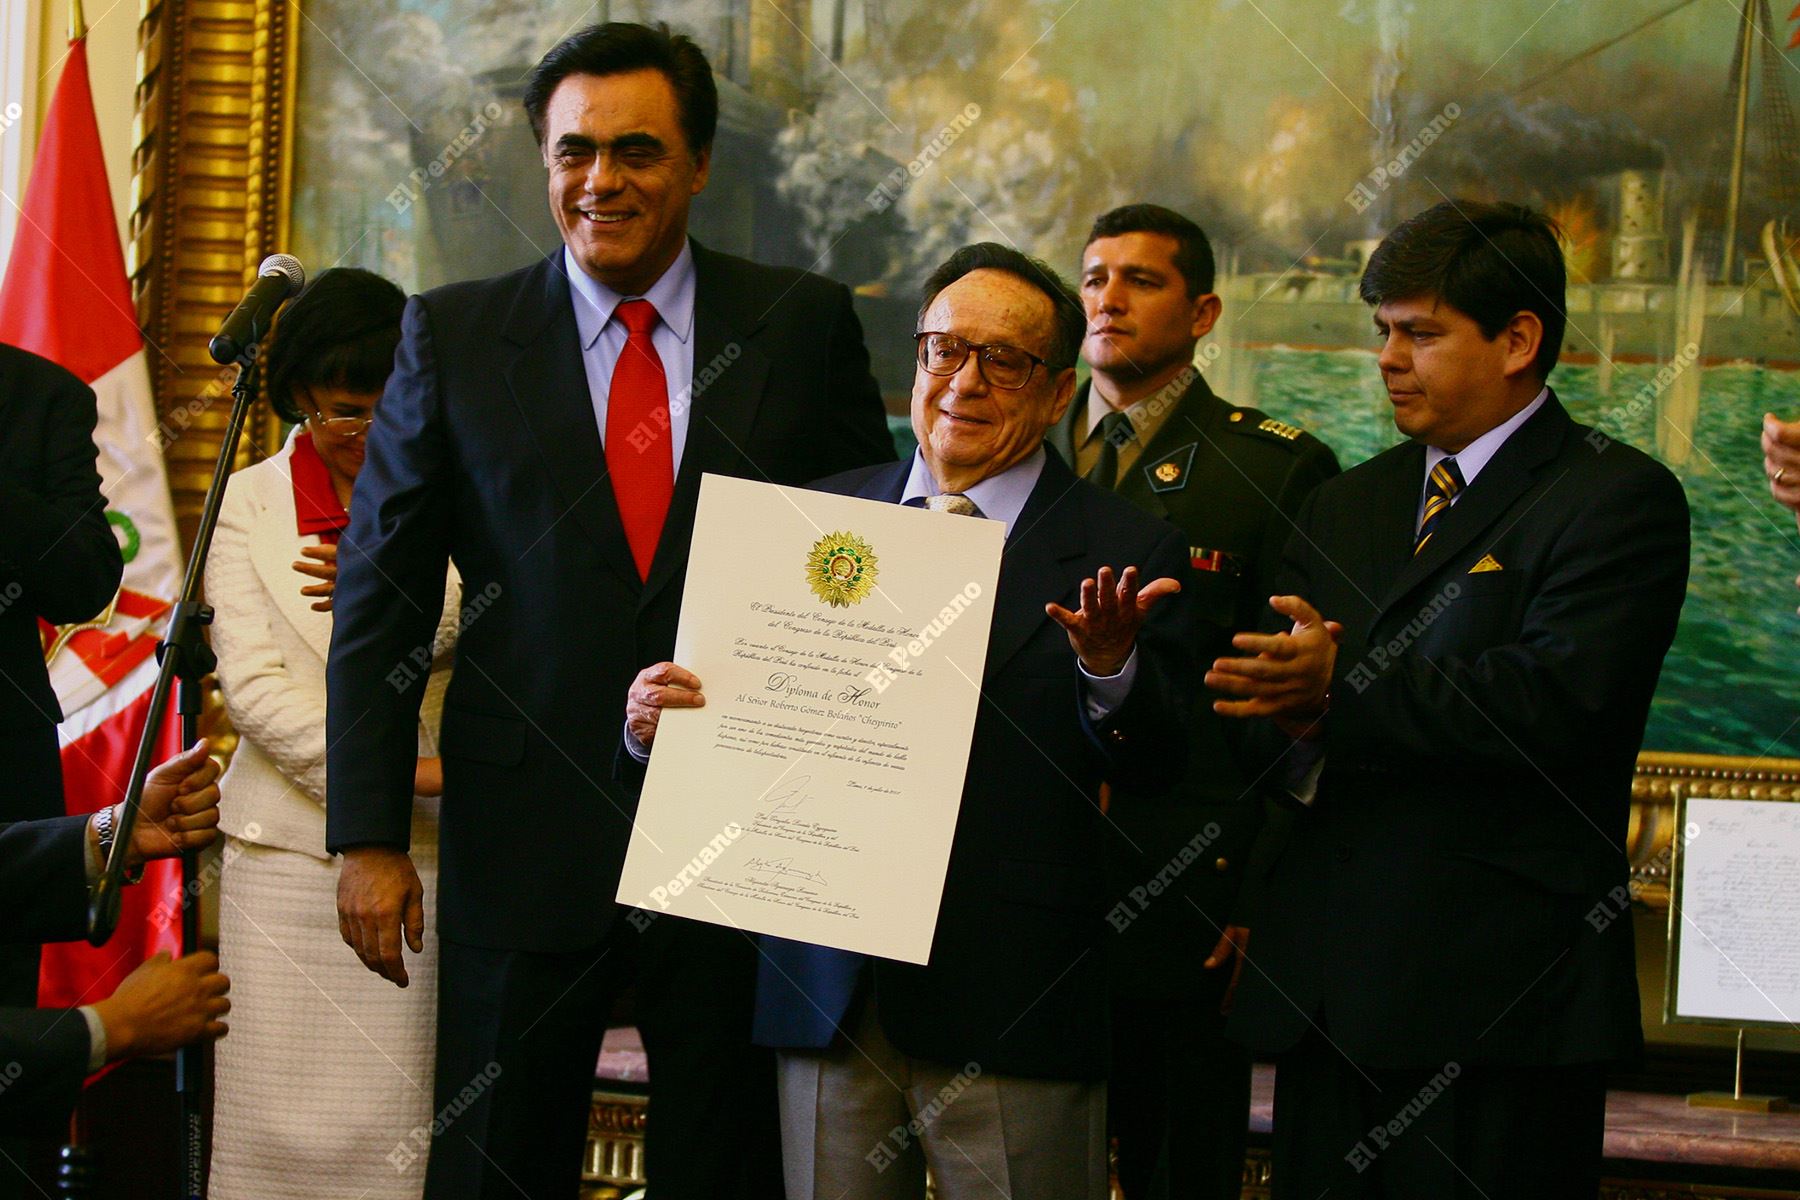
x: 316, y: 506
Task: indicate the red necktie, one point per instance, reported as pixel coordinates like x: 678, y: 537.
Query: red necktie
x: 639, y: 454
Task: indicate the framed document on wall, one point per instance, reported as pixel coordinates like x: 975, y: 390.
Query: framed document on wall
x: 1734, y: 916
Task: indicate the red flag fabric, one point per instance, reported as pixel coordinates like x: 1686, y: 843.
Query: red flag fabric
x: 67, y: 298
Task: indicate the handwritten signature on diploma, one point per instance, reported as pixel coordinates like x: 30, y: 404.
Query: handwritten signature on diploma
x: 783, y: 867
x: 784, y: 821
x: 790, y: 799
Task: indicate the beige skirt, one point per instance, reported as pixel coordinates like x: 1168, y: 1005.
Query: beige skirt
x: 323, y: 1085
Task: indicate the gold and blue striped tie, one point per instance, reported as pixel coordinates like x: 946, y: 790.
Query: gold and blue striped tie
x: 1441, y: 487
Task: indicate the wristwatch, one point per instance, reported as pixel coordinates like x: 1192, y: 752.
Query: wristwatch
x: 104, y: 831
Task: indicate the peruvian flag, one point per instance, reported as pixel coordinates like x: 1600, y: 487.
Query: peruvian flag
x: 66, y: 298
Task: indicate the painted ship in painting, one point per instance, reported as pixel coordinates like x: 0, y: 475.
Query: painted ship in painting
x: 1642, y: 288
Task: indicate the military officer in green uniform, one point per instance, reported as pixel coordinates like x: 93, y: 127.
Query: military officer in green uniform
x: 1147, y: 425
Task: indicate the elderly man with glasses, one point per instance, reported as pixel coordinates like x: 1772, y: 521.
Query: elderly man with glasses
x: 988, y: 1063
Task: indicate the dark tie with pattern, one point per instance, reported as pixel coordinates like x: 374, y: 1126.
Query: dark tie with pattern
x: 1441, y: 487
x: 639, y: 451
x: 1115, y: 431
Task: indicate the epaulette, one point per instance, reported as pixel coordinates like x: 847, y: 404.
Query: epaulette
x: 1269, y: 426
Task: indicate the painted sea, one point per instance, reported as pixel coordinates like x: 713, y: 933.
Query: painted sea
x: 1731, y: 683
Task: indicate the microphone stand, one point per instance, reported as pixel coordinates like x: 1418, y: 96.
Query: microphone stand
x: 184, y: 657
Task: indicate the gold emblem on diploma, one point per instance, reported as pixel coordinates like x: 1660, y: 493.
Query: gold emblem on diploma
x: 841, y: 569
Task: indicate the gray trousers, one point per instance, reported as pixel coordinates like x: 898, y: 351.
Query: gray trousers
x: 862, y: 1121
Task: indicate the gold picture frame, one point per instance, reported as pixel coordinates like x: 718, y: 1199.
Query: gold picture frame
x: 212, y: 158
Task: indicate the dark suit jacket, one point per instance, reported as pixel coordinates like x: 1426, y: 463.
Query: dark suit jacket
x: 1016, y: 981
x: 485, y: 451
x: 58, y: 557
x: 43, y: 1052
x: 1434, y: 903
x: 1232, y: 481
x: 43, y: 879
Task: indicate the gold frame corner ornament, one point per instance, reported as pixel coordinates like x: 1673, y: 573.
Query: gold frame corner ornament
x: 1664, y: 780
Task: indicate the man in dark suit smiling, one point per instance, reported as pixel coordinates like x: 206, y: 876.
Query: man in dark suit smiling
x: 547, y: 431
x: 1478, y: 620
x: 993, y: 1054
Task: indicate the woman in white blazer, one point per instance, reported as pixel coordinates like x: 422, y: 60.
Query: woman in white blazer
x: 325, y: 1087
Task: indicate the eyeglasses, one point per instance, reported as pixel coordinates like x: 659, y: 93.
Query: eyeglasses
x: 1002, y: 366
x: 342, y: 426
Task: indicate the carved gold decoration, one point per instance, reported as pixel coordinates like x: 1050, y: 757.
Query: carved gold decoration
x: 1258, y: 1174
x: 211, y: 151
x: 614, y: 1163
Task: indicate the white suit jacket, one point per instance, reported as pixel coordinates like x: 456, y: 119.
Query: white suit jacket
x: 272, y: 648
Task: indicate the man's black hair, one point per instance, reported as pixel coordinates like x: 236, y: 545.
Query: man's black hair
x: 1193, y: 253
x: 1489, y: 262
x: 1070, y: 321
x: 621, y: 46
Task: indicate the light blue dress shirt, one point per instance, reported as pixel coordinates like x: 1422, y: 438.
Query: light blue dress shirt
x: 999, y: 497
x: 603, y: 339
x: 1477, y: 454
x: 1002, y: 498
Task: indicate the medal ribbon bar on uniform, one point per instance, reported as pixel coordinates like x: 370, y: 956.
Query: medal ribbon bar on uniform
x: 1222, y: 561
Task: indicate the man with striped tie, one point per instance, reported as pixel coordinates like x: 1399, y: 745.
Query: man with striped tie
x: 1478, y: 620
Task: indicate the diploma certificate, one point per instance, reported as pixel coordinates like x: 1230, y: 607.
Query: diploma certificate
x: 840, y: 644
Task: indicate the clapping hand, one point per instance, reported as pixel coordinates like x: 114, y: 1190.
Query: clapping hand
x: 1289, y: 674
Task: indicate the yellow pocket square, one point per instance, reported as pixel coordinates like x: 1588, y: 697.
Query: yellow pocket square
x: 1488, y: 563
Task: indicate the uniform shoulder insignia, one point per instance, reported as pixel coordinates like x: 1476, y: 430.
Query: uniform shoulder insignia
x: 1253, y: 423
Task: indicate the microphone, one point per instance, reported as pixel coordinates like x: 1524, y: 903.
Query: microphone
x: 279, y: 277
